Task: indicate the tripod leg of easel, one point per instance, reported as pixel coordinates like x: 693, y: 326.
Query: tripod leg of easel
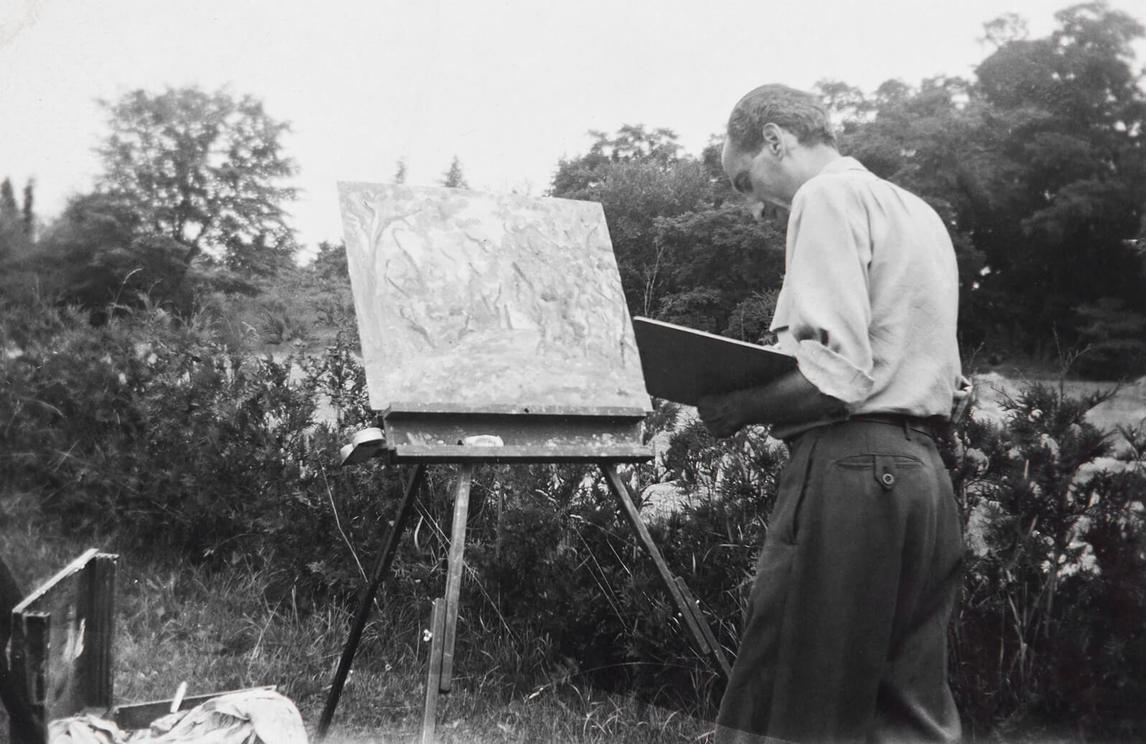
x: 454, y: 576
x: 713, y: 645
x: 443, y: 629
x: 378, y: 575
x: 689, y: 609
x: 434, y: 670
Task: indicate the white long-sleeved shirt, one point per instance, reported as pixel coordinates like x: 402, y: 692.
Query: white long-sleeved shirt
x: 871, y: 294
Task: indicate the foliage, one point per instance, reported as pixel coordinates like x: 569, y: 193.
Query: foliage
x: 103, y: 257
x: 169, y: 437
x: 16, y: 222
x: 16, y: 239
x: 188, y: 445
x: 717, y: 267
x: 683, y: 255
x: 330, y: 263
x: 203, y: 170
x: 562, y: 561
x: 1114, y: 340
x: 1053, y: 615
x: 1037, y: 167
x: 452, y: 178
x: 97, y: 255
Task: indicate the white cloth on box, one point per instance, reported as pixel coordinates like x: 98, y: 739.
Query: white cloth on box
x: 246, y: 717
x: 85, y: 729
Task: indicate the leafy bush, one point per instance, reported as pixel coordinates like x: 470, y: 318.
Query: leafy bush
x: 164, y: 433
x: 1113, y: 335
x: 1053, y: 617
x: 152, y: 428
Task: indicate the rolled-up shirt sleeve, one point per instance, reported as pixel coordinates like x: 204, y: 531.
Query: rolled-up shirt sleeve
x: 823, y: 313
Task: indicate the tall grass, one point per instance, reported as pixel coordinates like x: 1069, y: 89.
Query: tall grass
x: 215, y: 629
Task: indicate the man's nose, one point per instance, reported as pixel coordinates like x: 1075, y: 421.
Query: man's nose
x: 756, y: 209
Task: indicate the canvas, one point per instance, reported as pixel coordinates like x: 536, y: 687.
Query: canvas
x: 480, y: 301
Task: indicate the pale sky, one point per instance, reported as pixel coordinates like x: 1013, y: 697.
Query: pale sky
x: 508, y: 86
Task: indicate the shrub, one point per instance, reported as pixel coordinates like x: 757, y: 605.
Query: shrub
x: 163, y: 432
x: 1053, y: 615
x: 1113, y: 335
x: 151, y: 427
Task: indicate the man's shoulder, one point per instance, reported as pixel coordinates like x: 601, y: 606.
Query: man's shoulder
x: 848, y: 180
x: 845, y: 179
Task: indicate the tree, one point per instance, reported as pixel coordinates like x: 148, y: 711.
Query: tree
x: 400, y: 171
x: 1004, y: 29
x: 1068, y: 114
x: 99, y: 256
x: 1037, y: 167
x: 15, y: 226
x: 718, y: 266
x: 453, y: 178
x: 95, y: 254
x: 29, y: 216
x: 203, y: 170
x: 637, y: 176
x: 631, y: 143
x: 330, y: 262
x: 686, y: 249
x: 9, y: 210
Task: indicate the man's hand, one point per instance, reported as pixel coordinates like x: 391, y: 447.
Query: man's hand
x: 723, y: 415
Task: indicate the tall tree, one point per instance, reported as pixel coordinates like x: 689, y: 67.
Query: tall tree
x: 15, y: 237
x: 1038, y: 168
x: 683, y: 253
x: 1069, y: 120
x: 453, y: 178
x: 9, y: 210
x: 29, y: 215
x: 205, y: 170
x: 95, y: 254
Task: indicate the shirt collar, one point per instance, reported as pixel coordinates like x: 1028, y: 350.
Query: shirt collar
x: 845, y: 163
x: 839, y: 165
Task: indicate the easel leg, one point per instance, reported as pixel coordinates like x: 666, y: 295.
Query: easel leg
x: 454, y: 577
x: 440, y: 667
x: 434, y: 670
x: 378, y: 575
x: 689, y: 610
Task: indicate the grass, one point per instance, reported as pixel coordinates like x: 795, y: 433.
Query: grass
x: 235, y: 627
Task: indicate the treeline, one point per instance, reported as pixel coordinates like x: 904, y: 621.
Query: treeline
x: 1037, y: 165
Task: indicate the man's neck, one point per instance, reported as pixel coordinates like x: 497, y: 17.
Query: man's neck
x: 802, y: 164
x: 810, y: 161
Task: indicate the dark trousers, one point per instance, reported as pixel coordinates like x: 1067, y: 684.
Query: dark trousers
x: 845, y: 638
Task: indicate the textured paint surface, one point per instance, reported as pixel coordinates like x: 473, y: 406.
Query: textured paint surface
x: 476, y: 299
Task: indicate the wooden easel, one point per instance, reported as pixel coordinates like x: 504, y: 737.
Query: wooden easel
x: 420, y: 435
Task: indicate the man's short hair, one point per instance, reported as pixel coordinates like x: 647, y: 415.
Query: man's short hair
x: 800, y: 113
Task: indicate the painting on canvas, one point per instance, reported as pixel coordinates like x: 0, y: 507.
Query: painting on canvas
x: 480, y: 301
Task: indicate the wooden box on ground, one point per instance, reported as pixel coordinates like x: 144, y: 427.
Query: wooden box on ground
x: 61, y: 652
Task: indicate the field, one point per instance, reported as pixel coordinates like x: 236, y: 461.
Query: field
x: 219, y: 632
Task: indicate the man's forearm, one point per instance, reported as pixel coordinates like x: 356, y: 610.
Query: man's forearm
x: 788, y: 400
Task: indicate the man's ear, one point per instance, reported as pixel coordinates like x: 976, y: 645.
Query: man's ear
x: 773, y: 138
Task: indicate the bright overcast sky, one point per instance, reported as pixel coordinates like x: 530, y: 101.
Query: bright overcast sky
x: 509, y: 86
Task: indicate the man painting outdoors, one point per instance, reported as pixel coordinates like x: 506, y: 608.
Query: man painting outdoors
x: 845, y: 633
